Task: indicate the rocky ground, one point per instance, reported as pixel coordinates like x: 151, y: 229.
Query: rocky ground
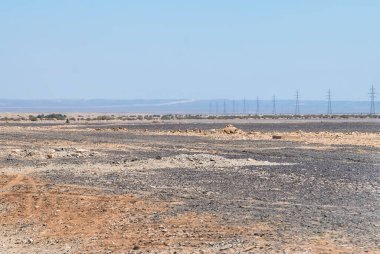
x: 190, y: 187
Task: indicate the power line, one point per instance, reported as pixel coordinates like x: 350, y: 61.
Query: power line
x: 274, y: 105
x: 297, y: 110
x: 372, y: 94
x: 329, y: 107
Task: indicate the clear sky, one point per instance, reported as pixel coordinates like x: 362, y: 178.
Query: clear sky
x: 189, y: 49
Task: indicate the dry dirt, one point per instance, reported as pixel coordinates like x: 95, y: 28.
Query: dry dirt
x: 324, y: 137
x: 142, y: 189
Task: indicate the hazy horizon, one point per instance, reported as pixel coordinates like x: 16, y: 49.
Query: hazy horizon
x: 214, y: 107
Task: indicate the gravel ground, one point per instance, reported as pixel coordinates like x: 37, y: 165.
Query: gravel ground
x: 309, y: 197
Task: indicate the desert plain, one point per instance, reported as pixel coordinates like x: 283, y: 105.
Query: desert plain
x: 198, y: 186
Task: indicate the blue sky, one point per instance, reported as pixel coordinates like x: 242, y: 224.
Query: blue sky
x: 189, y: 49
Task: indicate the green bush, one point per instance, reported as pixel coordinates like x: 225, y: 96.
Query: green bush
x: 52, y: 116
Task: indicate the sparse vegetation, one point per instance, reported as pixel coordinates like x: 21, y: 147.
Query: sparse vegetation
x: 52, y: 116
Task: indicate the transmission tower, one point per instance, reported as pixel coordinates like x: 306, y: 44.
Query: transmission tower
x: 233, y: 106
x: 329, y: 107
x: 257, y: 106
x: 244, y: 106
x: 297, y: 111
x: 224, y: 108
x: 274, y: 105
x: 372, y: 95
x: 216, y: 108
x: 210, y: 108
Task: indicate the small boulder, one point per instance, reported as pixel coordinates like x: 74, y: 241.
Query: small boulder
x: 230, y: 129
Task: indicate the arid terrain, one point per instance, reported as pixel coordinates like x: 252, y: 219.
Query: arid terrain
x: 190, y: 187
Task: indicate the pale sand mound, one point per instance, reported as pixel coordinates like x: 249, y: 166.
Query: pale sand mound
x: 198, y: 161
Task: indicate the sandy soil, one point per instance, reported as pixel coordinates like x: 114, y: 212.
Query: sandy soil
x: 324, y: 137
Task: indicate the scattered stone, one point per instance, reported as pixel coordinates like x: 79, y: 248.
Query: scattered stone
x: 229, y: 246
x: 276, y: 137
x: 81, y: 151
x: 249, y: 248
x: 30, y: 153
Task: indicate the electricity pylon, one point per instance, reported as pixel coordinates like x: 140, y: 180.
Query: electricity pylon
x: 244, y: 107
x: 372, y: 95
x: 257, y: 106
x: 297, y: 110
x: 329, y: 107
